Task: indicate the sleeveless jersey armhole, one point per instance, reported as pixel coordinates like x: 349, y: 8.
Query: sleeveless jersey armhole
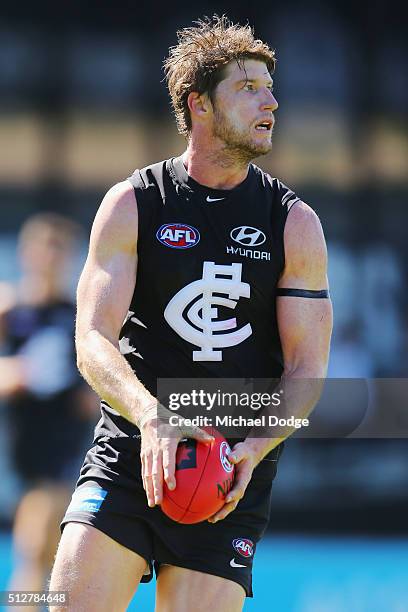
x: 145, y: 194
x: 288, y: 199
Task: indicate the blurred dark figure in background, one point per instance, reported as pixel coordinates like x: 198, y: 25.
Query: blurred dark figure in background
x: 49, y: 408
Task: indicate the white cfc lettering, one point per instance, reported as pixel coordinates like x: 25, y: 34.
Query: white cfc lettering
x: 203, y: 313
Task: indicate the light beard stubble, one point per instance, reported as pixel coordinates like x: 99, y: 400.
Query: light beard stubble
x: 238, y: 148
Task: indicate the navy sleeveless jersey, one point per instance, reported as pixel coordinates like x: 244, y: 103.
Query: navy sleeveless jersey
x: 209, y: 261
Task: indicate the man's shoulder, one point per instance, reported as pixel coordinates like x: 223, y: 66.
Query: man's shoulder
x: 150, y: 175
x: 284, y: 194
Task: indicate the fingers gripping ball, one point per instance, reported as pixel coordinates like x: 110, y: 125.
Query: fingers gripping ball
x: 204, y: 476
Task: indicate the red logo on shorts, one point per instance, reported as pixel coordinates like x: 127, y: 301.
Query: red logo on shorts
x: 244, y: 547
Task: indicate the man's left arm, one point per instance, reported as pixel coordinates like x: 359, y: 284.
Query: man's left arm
x: 305, y: 320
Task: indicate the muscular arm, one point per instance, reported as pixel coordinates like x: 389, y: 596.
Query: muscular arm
x: 305, y: 326
x: 105, y: 290
x: 104, y: 293
x: 305, y: 323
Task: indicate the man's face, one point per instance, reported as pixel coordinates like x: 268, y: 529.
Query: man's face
x: 243, y: 105
x: 45, y: 252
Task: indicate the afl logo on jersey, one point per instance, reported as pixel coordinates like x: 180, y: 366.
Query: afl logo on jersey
x: 178, y: 235
x: 248, y: 236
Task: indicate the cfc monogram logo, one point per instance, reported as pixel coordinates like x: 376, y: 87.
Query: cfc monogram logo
x: 202, y: 312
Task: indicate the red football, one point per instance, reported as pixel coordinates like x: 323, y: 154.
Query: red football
x: 204, y: 476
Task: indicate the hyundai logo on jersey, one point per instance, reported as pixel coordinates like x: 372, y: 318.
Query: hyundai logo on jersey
x: 247, y: 235
x: 178, y: 235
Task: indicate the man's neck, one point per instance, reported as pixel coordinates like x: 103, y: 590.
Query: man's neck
x: 213, y: 166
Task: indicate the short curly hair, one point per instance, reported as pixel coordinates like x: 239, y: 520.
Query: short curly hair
x: 196, y: 63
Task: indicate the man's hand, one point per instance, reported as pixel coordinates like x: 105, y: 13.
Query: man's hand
x: 158, y: 453
x: 245, y: 458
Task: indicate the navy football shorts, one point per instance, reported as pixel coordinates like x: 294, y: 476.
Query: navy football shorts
x: 109, y: 496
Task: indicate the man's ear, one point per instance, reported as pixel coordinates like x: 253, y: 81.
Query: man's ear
x: 199, y: 104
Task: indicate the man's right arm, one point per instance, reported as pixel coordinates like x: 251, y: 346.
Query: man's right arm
x: 104, y: 293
